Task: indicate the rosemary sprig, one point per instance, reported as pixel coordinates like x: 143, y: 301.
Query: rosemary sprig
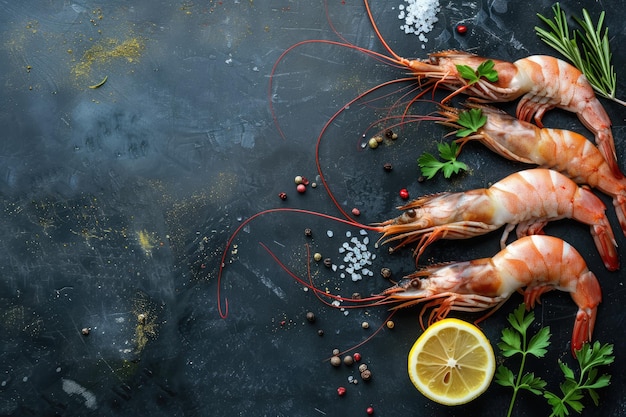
x: 587, y: 48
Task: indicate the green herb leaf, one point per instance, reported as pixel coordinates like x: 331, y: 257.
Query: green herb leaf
x: 587, y: 48
x: 532, y: 383
x: 539, y: 342
x: 505, y: 377
x: 485, y: 69
x: 430, y: 165
x: 471, y: 120
x: 467, y: 73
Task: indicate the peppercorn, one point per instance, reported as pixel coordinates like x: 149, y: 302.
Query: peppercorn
x: 461, y: 29
x: 387, y: 167
x: 389, y: 133
x: 404, y: 194
x: 310, y: 316
x: 370, y: 410
x: 335, y: 361
x: 328, y: 262
x: 421, y: 178
x: 301, y: 188
x: 341, y: 391
x: 390, y: 324
x: 336, y: 352
x: 385, y: 272
x: 373, y: 143
x: 85, y: 331
x: 308, y: 232
x: 282, y: 196
x: 348, y: 360
x: 298, y: 180
x: 320, y: 332
x: 365, y: 325
x: 357, y: 356
x: 366, y: 375
x: 317, y: 257
x: 362, y: 367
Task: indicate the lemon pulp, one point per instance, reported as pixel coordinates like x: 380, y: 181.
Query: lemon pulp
x: 452, y: 362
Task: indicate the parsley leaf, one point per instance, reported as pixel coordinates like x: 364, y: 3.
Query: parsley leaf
x: 485, y: 69
x: 430, y: 165
x: 471, y: 120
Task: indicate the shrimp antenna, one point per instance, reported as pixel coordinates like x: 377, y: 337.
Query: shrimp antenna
x: 223, y: 312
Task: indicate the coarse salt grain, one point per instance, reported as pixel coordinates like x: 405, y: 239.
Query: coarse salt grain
x: 419, y: 17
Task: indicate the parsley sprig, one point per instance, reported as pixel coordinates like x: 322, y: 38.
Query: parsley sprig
x: 470, y: 121
x: 515, y: 340
x: 485, y: 69
x: 430, y: 165
x: 573, y: 390
x: 587, y: 48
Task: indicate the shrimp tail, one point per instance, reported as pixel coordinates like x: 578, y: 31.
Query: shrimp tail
x: 619, y: 202
x: 605, y: 242
x: 606, y: 145
x: 600, y: 230
x: 587, y: 296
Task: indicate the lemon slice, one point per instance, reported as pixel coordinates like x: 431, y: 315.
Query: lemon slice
x: 452, y: 362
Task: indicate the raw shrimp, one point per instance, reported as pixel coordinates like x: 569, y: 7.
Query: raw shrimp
x: 562, y: 150
x: 526, y: 199
x: 542, y: 82
x: 536, y: 264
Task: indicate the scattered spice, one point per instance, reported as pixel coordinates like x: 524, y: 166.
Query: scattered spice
x: 390, y: 324
x: 404, y: 194
x: 298, y: 180
x: 328, y: 262
x: 372, y: 143
x: 335, y: 361
x: 310, y: 316
x: 356, y: 212
x: 335, y: 352
x: 388, y: 167
x: 301, y: 188
x: 317, y: 257
x: 357, y: 357
x: 366, y: 375
x: 341, y: 391
x: 85, y: 331
x: 370, y: 410
x: 385, y: 272
x: 461, y: 29
x: 362, y: 368
x: 348, y: 360
x: 320, y: 332
x: 365, y: 325
x: 308, y: 232
x: 282, y: 196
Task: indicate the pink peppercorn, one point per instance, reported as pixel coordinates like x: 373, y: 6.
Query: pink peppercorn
x: 301, y: 188
x: 356, y: 212
x: 341, y: 391
x: 356, y: 357
x: 461, y: 29
x: 404, y: 194
x: 370, y: 410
